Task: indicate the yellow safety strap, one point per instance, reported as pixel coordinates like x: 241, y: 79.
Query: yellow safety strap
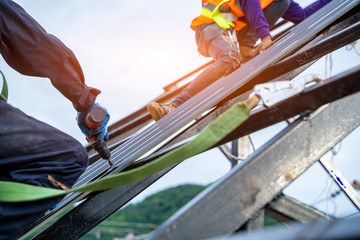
x: 217, y: 17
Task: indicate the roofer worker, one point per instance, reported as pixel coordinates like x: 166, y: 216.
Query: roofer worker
x: 221, y: 26
x: 31, y: 151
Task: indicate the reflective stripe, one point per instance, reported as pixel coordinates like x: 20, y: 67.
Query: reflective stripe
x: 224, y: 11
x: 209, y: 6
x: 212, y: 7
x: 229, y: 17
x: 219, y: 19
x: 4, y: 92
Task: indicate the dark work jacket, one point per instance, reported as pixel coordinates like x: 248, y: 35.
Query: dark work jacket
x: 30, y: 50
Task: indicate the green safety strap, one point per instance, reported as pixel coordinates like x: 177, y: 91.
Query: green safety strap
x: 208, y: 137
x: 4, y: 92
x: 217, y: 17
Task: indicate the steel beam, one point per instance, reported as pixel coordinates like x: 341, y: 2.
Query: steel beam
x: 256, y: 222
x: 311, y: 99
x: 286, y: 209
x: 345, y: 229
x: 224, y: 206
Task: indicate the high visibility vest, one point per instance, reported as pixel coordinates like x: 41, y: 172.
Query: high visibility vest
x: 224, y: 12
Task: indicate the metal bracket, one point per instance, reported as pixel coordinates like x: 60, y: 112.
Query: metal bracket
x: 275, y: 92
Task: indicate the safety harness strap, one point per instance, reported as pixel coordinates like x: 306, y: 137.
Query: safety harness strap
x: 208, y: 137
x: 217, y: 16
x: 4, y: 92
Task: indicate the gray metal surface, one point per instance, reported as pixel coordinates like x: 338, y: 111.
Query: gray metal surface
x: 286, y: 209
x: 256, y: 222
x: 224, y: 206
x: 344, y: 229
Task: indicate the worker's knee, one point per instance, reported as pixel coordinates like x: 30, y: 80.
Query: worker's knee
x: 70, y: 170
x: 69, y: 151
x: 68, y: 166
x: 80, y: 158
x: 65, y: 170
x: 229, y: 62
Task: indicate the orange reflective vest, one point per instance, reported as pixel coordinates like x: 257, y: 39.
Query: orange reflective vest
x: 229, y: 6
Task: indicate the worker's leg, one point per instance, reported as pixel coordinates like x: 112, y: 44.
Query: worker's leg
x: 32, y: 152
x: 272, y: 13
x: 212, y: 42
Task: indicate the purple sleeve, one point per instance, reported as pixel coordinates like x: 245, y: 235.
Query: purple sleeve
x: 255, y: 16
x: 296, y: 14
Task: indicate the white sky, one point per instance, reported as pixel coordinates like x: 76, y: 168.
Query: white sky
x: 130, y: 50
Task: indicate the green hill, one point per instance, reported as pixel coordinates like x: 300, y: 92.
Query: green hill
x: 158, y: 207
x: 142, y: 217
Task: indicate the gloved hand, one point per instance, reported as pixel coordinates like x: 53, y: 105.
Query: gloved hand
x: 266, y: 42
x: 99, y: 132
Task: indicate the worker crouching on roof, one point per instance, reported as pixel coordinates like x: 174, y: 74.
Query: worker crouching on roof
x: 31, y: 151
x: 227, y: 31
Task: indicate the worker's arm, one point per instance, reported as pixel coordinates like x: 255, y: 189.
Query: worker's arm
x: 296, y: 14
x: 30, y: 50
x: 255, y: 16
